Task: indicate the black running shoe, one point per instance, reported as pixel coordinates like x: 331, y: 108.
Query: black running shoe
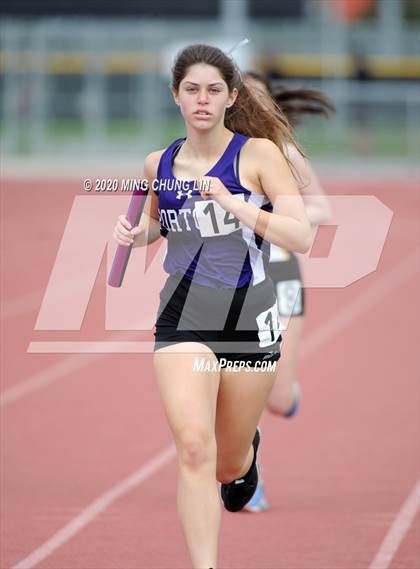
x: 239, y: 492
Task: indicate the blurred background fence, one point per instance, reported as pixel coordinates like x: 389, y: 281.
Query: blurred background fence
x: 93, y: 78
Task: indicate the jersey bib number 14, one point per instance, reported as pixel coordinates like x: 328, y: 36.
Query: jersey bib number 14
x: 213, y: 220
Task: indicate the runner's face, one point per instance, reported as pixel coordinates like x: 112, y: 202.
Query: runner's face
x: 203, y: 96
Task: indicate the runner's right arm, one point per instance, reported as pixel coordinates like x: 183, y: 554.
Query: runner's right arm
x: 148, y: 229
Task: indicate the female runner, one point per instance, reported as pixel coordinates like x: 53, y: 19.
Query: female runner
x: 217, y: 325
x: 284, y: 267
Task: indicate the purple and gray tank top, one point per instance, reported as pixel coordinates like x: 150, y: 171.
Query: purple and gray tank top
x: 204, y: 242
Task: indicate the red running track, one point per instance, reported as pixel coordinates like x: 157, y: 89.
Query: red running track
x: 338, y: 475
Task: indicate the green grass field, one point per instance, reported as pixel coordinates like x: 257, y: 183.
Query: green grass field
x: 317, y: 137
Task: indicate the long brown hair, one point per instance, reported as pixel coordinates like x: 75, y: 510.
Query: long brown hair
x: 247, y: 116
x: 296, y: 102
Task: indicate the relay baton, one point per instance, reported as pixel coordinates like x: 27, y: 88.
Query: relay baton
x: 122, y: 254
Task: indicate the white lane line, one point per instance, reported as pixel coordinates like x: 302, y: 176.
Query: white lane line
x: 21, y: 305
x: 367, y: 299
x: 96, y: 508
x: 46, y: 376
x: 398, y: 530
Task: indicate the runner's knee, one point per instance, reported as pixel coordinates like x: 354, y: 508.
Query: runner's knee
x: 196, y: 446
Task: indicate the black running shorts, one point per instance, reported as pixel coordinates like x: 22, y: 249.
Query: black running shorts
x: 236, y: 324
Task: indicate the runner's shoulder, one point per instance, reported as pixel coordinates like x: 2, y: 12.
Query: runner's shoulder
x: 261, y: 145
x: 151, y: 163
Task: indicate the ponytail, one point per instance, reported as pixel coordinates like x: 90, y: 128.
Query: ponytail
x: 296, y: 102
